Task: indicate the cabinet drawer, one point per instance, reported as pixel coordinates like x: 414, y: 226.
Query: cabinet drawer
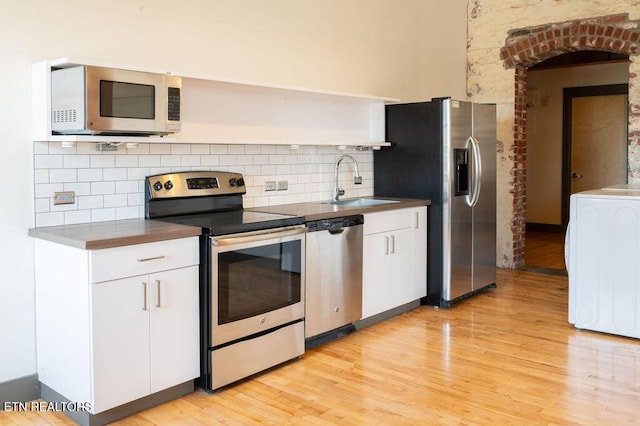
x: 388, y: 221
x: 127, y: 261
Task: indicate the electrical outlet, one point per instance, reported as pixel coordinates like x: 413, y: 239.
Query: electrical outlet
x: 270, y: 186
x: 282, y: 185
x: 67, y: 197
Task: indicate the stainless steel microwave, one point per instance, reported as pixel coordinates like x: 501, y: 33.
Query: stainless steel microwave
x: 88, y: 100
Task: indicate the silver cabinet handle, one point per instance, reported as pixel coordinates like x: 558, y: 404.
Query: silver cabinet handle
x: 393, y: 244
x: 575, y: 175
x: 144, y: 304
x: 158, y: 287
x: 146, y: 259
x: 386, y: 245
x: 416, y: 223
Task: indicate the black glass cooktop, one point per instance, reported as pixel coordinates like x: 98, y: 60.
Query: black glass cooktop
x: 235, y: 221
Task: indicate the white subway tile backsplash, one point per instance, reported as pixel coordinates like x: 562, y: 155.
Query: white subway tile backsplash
x: 41, y: 176
x: 41, y: 147
x: 128, y: 187
x: 63, y: 175
x: 77, y: 216
x: 268, y: 170
x: 49, y: 219
x: 45, y: 190
x: 80, y: 188
x: 136, y: 199
x: 129, y: 160
x: 42, y: 161
x: 228, y: 160
x: 127, y: 212
x: 139, y: 149
x: 199, y: 149
x: 276, y: 159
x: 101, y: 188
x: 110, y: 185
x: 103, y: 160
x: 149, y: 161
x: 115, y: 200
x: 218, y: 149
x: 90, y: 202
x: 76, y: 161
x: 89, y: 175
x: 102, y: 215
x: 210, y: 160
x: 190, y: 160
x: 42, y: 205
x: 170, y: 160
x: 159, y: 148
x: 252, y: 149
x: 261, y: 159
x: 180, y: 149
x: 268, y: 149
x: 235, y: 149
x: 114, y: 174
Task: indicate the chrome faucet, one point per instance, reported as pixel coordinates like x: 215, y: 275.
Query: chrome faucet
x: 337, y: 192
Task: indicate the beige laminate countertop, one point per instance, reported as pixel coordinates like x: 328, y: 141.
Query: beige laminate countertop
x: 319, y: 210
x: 115, y: 233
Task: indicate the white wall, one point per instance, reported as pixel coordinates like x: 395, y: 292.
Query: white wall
x: 544, y: 132
x: 406, y: 49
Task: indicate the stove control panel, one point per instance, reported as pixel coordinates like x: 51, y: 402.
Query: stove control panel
x: 202, y: 183
x: 197, y: 183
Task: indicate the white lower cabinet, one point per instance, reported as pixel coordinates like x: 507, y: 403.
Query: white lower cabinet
x: 394, y: 259
x: 114, y: 341
x: 143, y: 339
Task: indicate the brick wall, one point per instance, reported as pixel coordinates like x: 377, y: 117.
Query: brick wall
x: 507, y: 37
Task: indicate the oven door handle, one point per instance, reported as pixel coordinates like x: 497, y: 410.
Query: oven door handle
x: 259, y: 236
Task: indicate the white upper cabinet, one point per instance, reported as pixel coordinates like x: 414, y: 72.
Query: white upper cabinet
x: 227, y: 112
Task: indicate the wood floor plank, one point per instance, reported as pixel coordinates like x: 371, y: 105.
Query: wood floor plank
x: 506, y: 356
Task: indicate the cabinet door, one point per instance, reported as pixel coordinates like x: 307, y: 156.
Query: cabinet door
x: 399, y: 274
x: 120, y: 328
x: 174, y: 327
x: 419, y: 253
x: 374, y: 274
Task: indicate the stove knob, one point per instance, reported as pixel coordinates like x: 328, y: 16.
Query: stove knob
x: 240, y: 182
x: 233, y: 182
x: 168, y: 185
x: 157, y: 186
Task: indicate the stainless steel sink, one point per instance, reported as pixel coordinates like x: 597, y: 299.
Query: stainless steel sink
x: 360, y: 202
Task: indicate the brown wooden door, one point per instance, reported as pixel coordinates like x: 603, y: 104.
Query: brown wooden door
x: 595, y: 139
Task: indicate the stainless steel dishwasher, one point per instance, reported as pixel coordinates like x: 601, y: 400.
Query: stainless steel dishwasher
x: 333, y: 277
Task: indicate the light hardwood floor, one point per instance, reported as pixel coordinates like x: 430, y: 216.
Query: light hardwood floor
x: 507, y: 356
x: 544, y: 250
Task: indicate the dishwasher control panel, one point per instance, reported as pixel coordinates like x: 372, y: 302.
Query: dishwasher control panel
x: 334, y: 224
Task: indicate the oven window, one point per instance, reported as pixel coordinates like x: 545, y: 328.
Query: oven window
x: 127, y: 100
x: 258, y: 280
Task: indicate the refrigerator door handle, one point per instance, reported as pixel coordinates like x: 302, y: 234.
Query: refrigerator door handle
x: 476, y: 161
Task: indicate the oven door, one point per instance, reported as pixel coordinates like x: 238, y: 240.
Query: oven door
x: 257, y: 282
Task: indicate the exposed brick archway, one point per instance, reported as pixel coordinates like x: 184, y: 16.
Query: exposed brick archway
x: 525, y: 47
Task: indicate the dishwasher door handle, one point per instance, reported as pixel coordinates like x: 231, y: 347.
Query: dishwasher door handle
x: 336, y: 231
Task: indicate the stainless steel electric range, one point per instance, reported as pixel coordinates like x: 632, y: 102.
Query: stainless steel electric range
x: 251, y: 273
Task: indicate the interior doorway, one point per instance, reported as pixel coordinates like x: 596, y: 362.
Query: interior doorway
x: 576, y: 140
x: 524, y: 49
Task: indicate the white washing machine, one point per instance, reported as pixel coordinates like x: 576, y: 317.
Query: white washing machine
x: 602, y: 252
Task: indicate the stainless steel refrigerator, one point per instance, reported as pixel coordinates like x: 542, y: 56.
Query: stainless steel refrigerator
x: 445, y: 150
